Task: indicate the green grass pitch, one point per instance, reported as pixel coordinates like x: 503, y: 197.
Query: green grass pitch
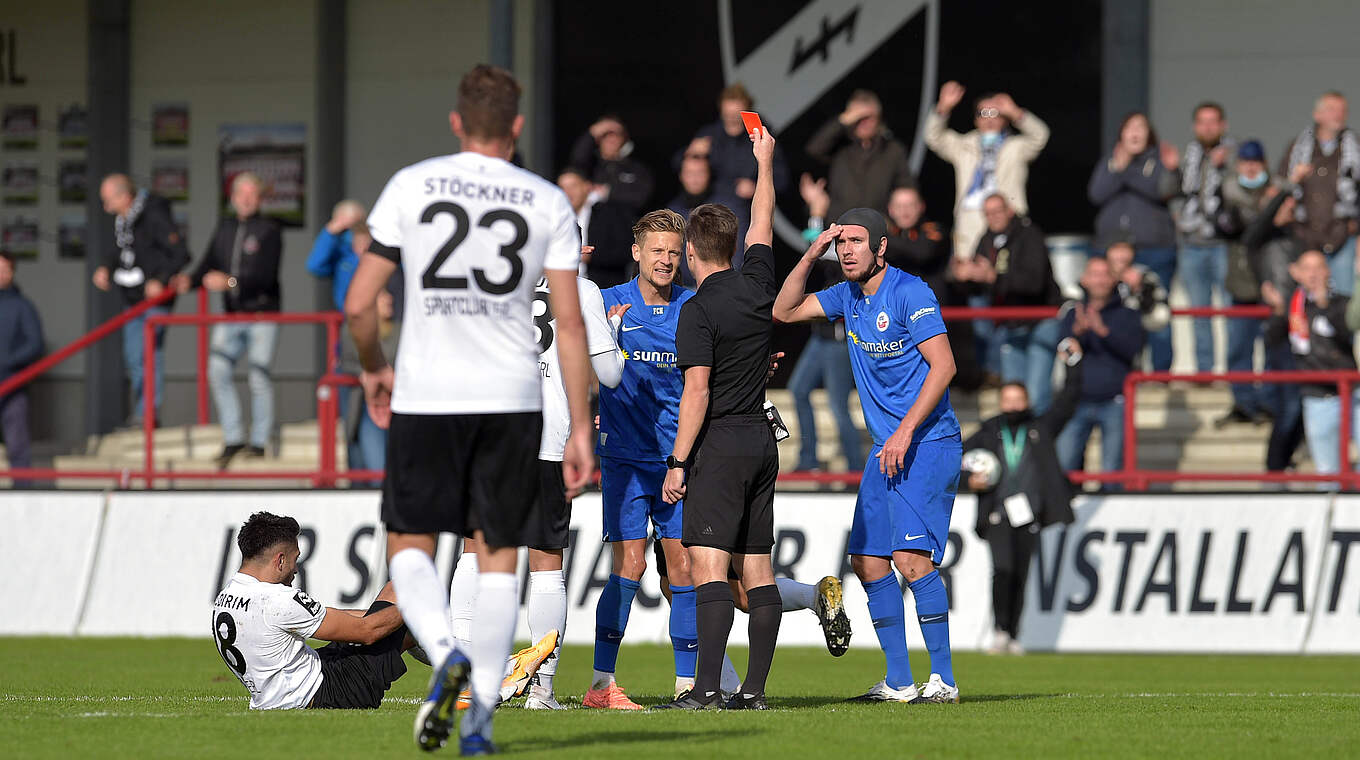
x: 147, y: 698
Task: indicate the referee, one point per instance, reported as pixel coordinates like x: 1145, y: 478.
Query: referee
x: 724, y: 443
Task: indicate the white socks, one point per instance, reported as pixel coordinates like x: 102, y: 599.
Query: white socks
x: 463, y: 599
x: 547, y: 611
x: 492, y: 637
x: 420, y: 597
x: 796, y: 596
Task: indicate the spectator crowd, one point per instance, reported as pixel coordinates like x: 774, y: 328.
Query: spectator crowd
x: 1215, y: 216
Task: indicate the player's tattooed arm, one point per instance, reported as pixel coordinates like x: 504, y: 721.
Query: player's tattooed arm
x: 794, y: 303
x: 940, y: 357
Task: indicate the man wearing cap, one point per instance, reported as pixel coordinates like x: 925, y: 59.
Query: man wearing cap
x: 903, y: 363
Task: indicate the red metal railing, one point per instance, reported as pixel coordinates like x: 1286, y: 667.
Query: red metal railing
x: 326, y: 473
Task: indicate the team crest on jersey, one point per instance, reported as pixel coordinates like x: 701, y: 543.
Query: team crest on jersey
x: 883, y: 321
x: 311, y: 605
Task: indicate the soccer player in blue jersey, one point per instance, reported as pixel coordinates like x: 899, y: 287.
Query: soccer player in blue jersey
x: 902, y: 364
x: 637, y: 429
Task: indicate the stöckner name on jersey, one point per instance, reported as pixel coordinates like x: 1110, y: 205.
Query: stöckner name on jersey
x: 459, y: 187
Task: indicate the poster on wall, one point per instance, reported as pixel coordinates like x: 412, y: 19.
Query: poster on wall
x: 274, y: 152
x: 19, y: 127
x: 71, y: 235
x: 19, y: 236
x: 19, y: 183
x: 170, y: 124
x: 73, y: 127
x: 170, y: 178
x: 72, y: 182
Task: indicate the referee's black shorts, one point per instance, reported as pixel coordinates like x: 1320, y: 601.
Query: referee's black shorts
x: 354, y: 676
x: 462, y: 473
x: 729, y: 497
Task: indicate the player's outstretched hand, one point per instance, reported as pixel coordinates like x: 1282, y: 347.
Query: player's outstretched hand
x: 378, y: 395
x: 673, y: 489
x: 578, y: 461
x: 892, y: 458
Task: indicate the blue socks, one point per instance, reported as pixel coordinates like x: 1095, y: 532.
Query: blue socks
x: 932, y: 611
x: 611, y: 618
x: 885, y: 607
x: 684, y: 630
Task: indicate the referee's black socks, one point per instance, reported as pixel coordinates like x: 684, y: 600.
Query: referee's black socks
x: 766, y: 609
x: 714, y: 609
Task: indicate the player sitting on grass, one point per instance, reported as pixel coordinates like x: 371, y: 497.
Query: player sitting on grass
x: 903, y: 364
x: 261, y: 625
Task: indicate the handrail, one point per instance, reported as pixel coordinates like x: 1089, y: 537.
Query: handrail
x: 327, y: 474
x: 27, y: 374
x: 1138, y: 480
x: 1035, y: 313
x: 326, y: 402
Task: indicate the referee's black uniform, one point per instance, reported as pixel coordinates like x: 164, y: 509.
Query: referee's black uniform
x: 729, y: 498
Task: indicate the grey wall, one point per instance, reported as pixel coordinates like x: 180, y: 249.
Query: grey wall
x: 247, y: 61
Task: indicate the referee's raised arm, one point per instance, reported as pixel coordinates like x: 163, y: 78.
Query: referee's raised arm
x: 761, y: 231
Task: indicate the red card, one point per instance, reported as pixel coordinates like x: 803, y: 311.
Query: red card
x: 752, y: 121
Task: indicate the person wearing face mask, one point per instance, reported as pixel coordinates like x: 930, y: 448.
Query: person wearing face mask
x: 1024, y: 444
x: 1245, y: 193
x: 992, y: 158
x: 1111, y: 337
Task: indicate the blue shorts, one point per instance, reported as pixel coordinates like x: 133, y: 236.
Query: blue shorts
x: 632, y: 496
x: 911, y: 510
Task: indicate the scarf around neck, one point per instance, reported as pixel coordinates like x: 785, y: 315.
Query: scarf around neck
x: 1346, y: 174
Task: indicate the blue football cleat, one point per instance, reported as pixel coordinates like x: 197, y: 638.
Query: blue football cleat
x: 434, y: 717
x: 475, y: 744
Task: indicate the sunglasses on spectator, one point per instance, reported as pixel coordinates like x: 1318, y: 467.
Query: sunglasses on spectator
x: 989, y: 113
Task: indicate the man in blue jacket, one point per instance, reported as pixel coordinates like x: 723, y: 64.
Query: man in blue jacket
x: 1111, y: 337
x: 21, y: 344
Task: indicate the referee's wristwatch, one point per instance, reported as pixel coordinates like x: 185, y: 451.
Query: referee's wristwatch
x: 673, y: 463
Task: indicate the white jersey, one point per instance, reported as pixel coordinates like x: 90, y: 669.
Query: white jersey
x: 473, y: 235
x: 261, y: 631
x: 599, y: 339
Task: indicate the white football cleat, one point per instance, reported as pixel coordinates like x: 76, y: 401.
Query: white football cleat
x: 545, y: 701
x: 937, y: 691
x: 882, y: 692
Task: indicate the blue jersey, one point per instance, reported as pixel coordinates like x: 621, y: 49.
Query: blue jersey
x: 883, y: 332
x: 638, y: 419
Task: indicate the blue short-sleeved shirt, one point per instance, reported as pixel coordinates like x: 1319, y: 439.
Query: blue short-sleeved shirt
x: 883, y: 332
x: 638, y: 419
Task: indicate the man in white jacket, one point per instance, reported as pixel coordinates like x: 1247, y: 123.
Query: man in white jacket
x: 993, y: 158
